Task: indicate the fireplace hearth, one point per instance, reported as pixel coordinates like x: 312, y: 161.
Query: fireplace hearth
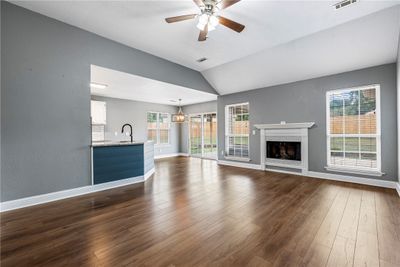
x: 284, y: 150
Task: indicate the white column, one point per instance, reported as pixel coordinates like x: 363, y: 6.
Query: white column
x: 262, y: 149
x: 304, y: 150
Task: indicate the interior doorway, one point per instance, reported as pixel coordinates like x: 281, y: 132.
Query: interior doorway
x: 203, y: 135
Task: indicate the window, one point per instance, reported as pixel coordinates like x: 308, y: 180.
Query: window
x: 353, y: 129
x: 158, y: 127
x: 237, y: 131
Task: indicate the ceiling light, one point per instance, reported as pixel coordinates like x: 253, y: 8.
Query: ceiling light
x: 213, y: 21
x: 201, y: 26
x: 210, y: 27
x: 208, y: 17
x: 98, y: 85
x: 203, y: 19
x: 180, y: 116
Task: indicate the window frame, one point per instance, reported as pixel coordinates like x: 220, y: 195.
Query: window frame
x: 227, y: 134
x: 354, y: 169
x: 157, y: 143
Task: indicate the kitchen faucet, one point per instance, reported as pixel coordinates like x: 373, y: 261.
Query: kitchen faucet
x: 130, y: 126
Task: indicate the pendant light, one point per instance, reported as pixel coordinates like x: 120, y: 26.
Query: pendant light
x: 180, y: 116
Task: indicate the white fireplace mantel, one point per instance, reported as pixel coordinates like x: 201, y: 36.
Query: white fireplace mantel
x: 285, y: 132
x: 285, y: 125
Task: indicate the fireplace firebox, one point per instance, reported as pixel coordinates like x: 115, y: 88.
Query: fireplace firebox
x: 283, y: 150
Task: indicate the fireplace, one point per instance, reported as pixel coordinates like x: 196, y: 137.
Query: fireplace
x: 284, y: 146
x: 284, y: 150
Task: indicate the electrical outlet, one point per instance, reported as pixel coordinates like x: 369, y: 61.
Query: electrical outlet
x: 222, y: 152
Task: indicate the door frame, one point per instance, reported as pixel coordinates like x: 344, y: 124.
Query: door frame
x: 201, y: 114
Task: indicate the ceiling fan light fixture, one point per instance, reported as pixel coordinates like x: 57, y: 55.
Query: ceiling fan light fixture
x: 213, y: 21
x: 203, y: 19
x: 201, y: 26
x: 209, y: 18
x: 210, y: 27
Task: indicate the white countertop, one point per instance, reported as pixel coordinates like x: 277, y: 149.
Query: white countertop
x: 117, y: 143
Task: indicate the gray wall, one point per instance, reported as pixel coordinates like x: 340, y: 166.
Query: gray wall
x: 398, y: 110
x: 304, y: 101
x: 193, y: 109
x: 120, y: 111
x: 1, y: 86
x: 45, y: 104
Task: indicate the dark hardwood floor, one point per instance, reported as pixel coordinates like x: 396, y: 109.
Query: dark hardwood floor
x: 194, y: 212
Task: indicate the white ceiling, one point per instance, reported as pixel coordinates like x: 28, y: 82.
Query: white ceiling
x: 127, y: 86
x: 141, y: 24
x: 283, y: 41
x: 365, y: 42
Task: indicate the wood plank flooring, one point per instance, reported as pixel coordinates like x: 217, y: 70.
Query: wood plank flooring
x: 196, y: 213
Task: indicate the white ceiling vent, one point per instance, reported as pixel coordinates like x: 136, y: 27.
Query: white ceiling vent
x: 344, y: 3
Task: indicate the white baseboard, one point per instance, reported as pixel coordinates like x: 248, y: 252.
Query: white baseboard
x: 148, y: 174
x: 321, y: 175
x: 240, y: 164
x: 40, y: 199
x: 398, y: 188
x: 283, y: 171
x: 171, y: 155
x: 352, y: 179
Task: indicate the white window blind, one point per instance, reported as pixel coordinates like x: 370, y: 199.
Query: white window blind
x: 237, y: 130
x: 353, y: 128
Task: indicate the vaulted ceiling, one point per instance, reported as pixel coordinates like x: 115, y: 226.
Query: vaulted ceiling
x: 283, y: 41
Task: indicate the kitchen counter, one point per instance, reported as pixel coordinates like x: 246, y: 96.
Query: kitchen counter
x: 118, y: 143
x: 114, y: 161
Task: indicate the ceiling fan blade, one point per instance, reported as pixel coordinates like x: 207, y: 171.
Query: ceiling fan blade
x: 231, y: 24
x: 203, y: 34
x: 199, y: 3
x: 180, y: 18
x: 227, y: 3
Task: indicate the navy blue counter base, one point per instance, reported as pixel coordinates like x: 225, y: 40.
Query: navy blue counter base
x: 112, y: 163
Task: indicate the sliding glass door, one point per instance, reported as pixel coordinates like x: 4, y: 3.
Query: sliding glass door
x: 203, y: 135
x: 195, y: 140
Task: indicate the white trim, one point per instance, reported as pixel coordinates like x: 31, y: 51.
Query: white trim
x: 375, y: 171
x: 352, y: 179
x: 240, y: 164
x: 227, y: 134
x: 285, y: 125
x: 283, y: 171
x: 398, y: 188
x: 237, y: 104
x: 354, y: 171
x: 322, y: 175
x: 171, y: 155
x: 297, y: 132
x: 398, y: 115
x: 237, y: 159
x: 189, y: 127
x: 158, y: 129
x: 148, y: 174
x: 49, y: 197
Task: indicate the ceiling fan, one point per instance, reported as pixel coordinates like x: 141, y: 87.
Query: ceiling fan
x: 209, y: 18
